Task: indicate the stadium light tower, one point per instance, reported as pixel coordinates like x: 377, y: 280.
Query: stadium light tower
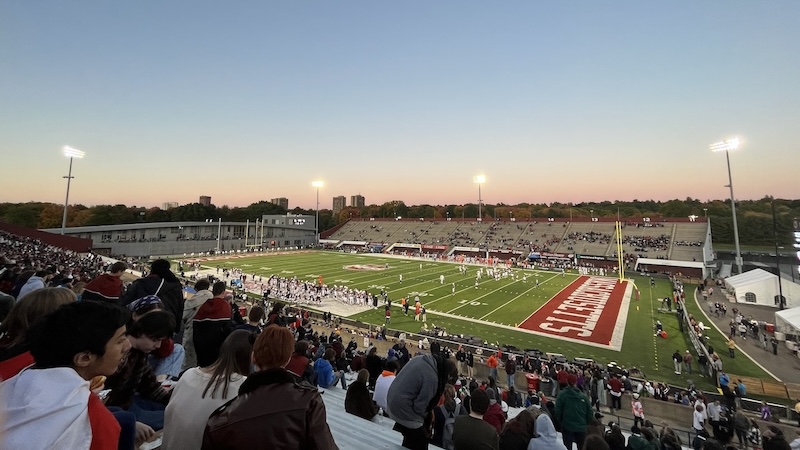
x: 726, y: 146
x: 70, y: 153
x: 317, y: 184
x: 479, y: 180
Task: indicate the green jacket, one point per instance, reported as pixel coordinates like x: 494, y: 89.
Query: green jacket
x: 573, y: 410
x: 637, y: 442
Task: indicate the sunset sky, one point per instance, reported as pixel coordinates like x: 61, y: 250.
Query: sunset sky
x: 245, y: 101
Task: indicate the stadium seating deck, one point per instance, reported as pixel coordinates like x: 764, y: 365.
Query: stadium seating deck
x: 687, y: 243
x: 587, y: 238
x: 657, y: 240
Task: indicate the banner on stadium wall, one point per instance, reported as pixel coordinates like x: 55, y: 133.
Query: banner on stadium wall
x: 534, y: 255
x: 402, y: 245
x: 555, y: 255
x: 434, y: 247
x: 597, y: 258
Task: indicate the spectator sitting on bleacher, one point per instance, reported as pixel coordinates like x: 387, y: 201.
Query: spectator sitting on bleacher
x: 357, y: 400
x: 272, y: 410
x: 39, y: 280
x: 14, y: 349
x: 382, y: 384
x: 300, y: 365
x: 415, y: 392
x: 136, y: 376
x: 201, y: 390
x: 167, y: 359
x: 107, y: 286
x: 50, y: 405
x: 471, y: 431
x: 325, y: 373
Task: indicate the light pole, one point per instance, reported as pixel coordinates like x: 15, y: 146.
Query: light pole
x: 705, y: 213
x: 781, y: 300
x: 71, y: 153
x: 479, y: 180
x: 317, y: 184
x: 725, y: 146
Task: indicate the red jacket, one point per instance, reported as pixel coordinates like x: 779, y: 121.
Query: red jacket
x: 494, y: 416
x: 105, y: 287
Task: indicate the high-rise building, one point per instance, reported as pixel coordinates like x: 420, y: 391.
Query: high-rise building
x: 283, y: 202
x: 339, y: 203
x: 357, y: 201
x: 169, y: 205
x: 205, y: 200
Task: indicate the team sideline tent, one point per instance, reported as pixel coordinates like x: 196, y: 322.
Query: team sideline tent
x: 787, y: 321
x: 760, y: 287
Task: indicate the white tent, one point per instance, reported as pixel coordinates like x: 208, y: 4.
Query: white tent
x: 787, y: 321
x: 761, y: 287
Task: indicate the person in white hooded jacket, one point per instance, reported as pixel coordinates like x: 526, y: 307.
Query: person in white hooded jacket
x: 49, y: 405
x: 190, y: 308
x: 546, y: 437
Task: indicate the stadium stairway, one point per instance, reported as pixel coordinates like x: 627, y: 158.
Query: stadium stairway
x: 353, y: 432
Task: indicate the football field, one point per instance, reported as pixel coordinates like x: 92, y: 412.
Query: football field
x: 592, y: 317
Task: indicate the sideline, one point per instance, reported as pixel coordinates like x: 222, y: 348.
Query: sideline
x: 697, y: 303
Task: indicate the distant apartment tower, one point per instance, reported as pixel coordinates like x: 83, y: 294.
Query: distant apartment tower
x: 205, y: 200
x: 283, y: 202
x: 357, y: 201
x: 169, y: 205
x: 339, y: 203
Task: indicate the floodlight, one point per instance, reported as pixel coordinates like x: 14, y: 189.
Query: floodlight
x: 73, y: 152
x: 728, y: 144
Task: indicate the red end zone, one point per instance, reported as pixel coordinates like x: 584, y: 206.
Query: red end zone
x: 586, y: 311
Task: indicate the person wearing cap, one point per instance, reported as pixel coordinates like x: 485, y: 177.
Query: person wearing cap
x: 271, y: 405
x: 637, y: 409
x: 614, y: 437
x: 687, y: 361
x: 494, y: 414
x: 574, y: 412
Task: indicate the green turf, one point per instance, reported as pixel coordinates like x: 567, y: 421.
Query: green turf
x: 508, y: 301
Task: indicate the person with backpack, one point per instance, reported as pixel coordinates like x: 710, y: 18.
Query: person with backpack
x: 444, y: 417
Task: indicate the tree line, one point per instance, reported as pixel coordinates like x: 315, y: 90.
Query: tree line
x: 755, y: 217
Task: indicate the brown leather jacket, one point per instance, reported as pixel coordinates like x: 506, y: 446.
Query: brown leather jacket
x: 272, y: 411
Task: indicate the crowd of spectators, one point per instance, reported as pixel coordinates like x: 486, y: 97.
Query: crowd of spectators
x: 647, y: 243
x: 112, y: 368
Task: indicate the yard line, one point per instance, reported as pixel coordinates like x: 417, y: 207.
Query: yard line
x: 515, y: 298
x: 490, y: 292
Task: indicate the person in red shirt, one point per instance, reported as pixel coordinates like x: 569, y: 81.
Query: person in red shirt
x: 615, y: 389
x: 492, y: 364
x: 50, y: 405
